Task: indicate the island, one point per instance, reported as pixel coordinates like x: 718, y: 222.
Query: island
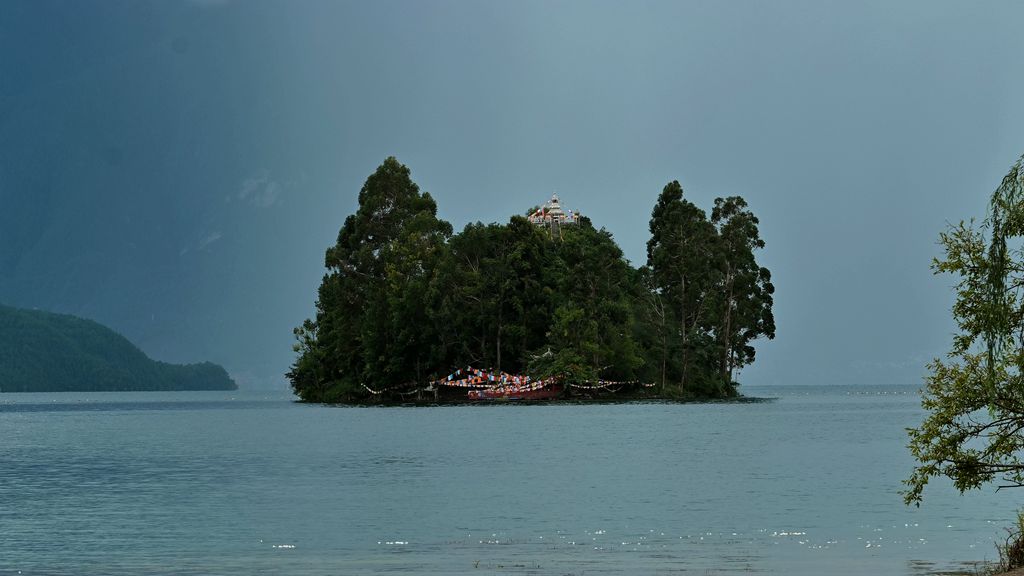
x: 542, y: 307
x: 48, y: 352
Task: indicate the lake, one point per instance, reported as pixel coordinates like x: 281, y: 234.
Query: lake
x: 240, y: 483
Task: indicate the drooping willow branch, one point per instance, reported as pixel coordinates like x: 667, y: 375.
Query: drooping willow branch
x: 1006, y: 218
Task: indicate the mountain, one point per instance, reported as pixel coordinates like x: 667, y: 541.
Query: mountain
x: 47, y: 352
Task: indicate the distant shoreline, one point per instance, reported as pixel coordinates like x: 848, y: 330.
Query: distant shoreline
x: 554, y: 402
x: 49, y: 352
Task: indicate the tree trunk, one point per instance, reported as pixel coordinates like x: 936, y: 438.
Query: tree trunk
x: 498, y: 346
x: 726, y: 330
x: 664, y: 356
x: 682, y: 332
x: 483, y: 333
x: 658, y: 310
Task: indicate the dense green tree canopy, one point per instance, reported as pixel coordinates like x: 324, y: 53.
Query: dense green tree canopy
x: 709, y: 298
x: 743, y: 302
x: 975, y: 397
x: 405, y: 302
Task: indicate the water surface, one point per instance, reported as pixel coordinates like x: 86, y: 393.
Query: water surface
x: 253, y: 483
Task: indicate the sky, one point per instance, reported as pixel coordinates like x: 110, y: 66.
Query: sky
x: 175, y: 170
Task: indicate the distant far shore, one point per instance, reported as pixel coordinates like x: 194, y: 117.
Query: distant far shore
x: 47, y: 352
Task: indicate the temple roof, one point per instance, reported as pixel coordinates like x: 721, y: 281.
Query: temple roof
x: 553, y: 206
x: 552, y: 211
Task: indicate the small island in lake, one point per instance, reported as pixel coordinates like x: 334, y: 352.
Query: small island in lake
x: 545, y: 306
x: 47, y: 352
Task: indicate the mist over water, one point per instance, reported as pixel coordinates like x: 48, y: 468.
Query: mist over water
x: 242, y: 483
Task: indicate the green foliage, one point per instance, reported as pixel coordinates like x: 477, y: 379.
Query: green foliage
x: 975, y: 398
x: 488, y: 297
x: 404, y: 301
x: 593, y: 304
x: 372, y: 325
x: 680, y: 255
x: 743, y: 298
x: 1011, y: 553
x: 46, y: 352
x: 708, y: 298
x: 566, y: 363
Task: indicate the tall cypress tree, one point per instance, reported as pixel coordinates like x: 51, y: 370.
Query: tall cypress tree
x: 371, y: 325
x: 744, y: 300
x: 680, y: 255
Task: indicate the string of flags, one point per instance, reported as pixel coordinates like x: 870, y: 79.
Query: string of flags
x: 604, y: 384
x: 384, y: 390
x: 475, y: 378
x: 508, y: 390
x: 497, y: 381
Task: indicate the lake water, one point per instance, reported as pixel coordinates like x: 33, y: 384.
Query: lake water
x: 252, y: 483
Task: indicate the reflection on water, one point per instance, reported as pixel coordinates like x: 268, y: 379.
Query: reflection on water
x: 237, y: 483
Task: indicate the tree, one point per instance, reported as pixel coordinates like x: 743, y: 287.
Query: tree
x: 680, y: 256
x: 404, y: 302
x: 371, y: 325
x: 489, y: 297
x: 652, y: 328
x: 459, y: 301
x: 744, y: 296
x: 593, y: 320
x: 974, y: 431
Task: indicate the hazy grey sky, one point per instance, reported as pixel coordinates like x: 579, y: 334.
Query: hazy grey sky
x: 176, y: 170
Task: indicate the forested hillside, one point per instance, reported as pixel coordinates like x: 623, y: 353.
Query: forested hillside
x: 46, y: 352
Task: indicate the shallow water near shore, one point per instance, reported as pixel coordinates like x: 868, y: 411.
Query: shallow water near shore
x: 252, y: 482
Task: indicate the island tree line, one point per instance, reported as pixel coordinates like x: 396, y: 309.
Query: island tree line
x: 405, y: 301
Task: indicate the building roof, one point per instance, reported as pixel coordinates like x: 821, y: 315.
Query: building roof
x: 552, y: 211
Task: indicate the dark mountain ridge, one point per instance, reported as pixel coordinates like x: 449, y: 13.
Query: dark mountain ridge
x: 48, y: 352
